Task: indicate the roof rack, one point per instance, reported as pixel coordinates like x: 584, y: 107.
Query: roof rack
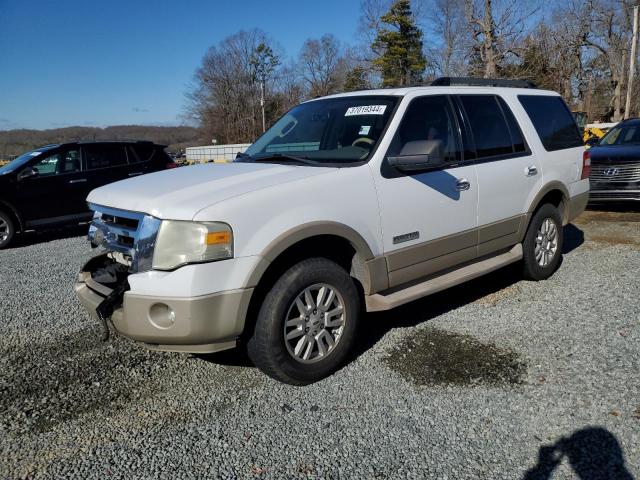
x: 481, y: 82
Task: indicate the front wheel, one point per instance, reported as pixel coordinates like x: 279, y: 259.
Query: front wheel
x: 307, y: 323
x: 542, y: 246
x: 7, y: 230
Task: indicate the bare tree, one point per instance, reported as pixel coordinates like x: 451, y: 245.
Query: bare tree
x: 609, y: 36
x: 322, y: 65
x: 448, y: 52
x: 496, y: 28
x: 225, y: 98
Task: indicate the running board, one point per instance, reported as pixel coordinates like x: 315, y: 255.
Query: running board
x: 378, y: 302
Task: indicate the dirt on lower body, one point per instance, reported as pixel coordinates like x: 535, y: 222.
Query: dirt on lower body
x: 437, y: 357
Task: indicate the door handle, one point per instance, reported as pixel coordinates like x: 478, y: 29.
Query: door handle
x: 463, y: 184
x: 77, y: 180
x: 135, y: 174
x: 531, y: 170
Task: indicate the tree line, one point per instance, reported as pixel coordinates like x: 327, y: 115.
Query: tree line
x: 16, y: 142
x: 579, y: 48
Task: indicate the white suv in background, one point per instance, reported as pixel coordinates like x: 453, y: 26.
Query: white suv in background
x: 349, y: 203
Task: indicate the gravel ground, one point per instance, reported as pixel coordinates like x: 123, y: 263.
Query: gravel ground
x: 498, y: 378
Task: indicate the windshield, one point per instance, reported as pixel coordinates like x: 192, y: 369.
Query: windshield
x: 335, y: 130
x: 622, y: 135
x: 24, y: 158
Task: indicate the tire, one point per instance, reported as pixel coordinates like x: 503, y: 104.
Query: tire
x: 7, y: 230
x: 299, y: 360
x: 542, y: 246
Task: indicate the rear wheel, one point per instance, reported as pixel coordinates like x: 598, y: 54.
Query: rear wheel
x: 542, y: 246
x: 7, y: 229
x: 307, y: 323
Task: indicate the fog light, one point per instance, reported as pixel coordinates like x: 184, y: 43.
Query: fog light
x: 161, y: 315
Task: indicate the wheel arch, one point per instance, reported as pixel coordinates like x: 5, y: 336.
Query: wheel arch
x: 555, y: 193
x: 334, y: 241
x: 15, y: 215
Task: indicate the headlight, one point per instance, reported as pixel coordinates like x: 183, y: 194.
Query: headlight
x: 180, y: 243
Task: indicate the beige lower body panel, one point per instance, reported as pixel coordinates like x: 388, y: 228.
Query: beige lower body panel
x: 379, y: 302
x: 203, y: 324
x: 418, y: 261
x: 577, y: 205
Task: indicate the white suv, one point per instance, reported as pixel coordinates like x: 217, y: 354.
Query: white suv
x: 349, y: 203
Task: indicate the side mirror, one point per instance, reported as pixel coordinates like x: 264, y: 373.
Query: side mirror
x: 28, y: 172
x: 419, y: 155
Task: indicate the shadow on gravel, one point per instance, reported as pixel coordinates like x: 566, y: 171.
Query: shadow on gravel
x: 494, y: 286
x: 593, y: 453
x: 236, y: 357
x: 33, y: 238
x: 376, y: 325
x: 436, y: 357
x: 573, y: 238
x: 46, y: 384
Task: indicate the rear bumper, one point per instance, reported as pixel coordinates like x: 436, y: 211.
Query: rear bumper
x: 202, y: 324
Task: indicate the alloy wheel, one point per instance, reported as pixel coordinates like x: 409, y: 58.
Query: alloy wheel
x: 314, y: 323
x: 546, y: 242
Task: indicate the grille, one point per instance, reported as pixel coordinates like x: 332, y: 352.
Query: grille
x: 129, y: 233
x: 118, y: 221
x: 629, y: 172
x: 615, y: 195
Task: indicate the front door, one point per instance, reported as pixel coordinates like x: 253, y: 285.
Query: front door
x: 429, y: 218
x: 56, y: 193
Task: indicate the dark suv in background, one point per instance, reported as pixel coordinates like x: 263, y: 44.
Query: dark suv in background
x: 615, y: 165
x: 48, y: 186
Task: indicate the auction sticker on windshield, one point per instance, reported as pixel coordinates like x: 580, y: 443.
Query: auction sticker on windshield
x: 366, y: 110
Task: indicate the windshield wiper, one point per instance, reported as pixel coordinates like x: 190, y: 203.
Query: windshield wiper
x: 274, y: 157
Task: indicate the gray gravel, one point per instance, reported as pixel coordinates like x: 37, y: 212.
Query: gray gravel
x: 554, y: 388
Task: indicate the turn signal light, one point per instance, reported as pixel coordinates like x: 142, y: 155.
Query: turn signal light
x: 217, y: 238
x: 586, y: 165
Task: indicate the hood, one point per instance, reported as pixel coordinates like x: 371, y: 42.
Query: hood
x: 615, y: 154
x: 180, y: 193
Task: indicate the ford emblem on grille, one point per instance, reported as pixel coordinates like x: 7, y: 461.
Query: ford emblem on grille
x: 611, y: 172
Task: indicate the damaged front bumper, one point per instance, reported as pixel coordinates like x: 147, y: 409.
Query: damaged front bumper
x: 202, y: 324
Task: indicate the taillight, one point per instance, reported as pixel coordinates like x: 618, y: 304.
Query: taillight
x: 171, y: 165
x: 586, y: 165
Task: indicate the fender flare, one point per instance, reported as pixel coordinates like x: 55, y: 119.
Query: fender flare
x: 549, y: 187
x: 375, y: 277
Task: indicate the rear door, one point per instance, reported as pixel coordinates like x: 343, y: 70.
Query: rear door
x: 508, y: 172
x: 141, y: 158
x: 104, y: 163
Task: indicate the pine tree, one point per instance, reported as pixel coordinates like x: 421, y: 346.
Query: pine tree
x: 356, y: 79
x: 402, y: 61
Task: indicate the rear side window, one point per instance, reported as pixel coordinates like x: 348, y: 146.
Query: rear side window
x: 104, y: 156
x: 553, y: 121
x: 141, y: 153
x: 488, y: 125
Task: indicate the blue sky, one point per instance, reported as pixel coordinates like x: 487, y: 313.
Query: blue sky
x: 114, y: 62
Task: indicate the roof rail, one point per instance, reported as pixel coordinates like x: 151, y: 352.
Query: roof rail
x: 481, y: 82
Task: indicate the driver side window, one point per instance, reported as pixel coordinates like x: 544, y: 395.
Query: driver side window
x: 58, y: 163
x: 428, y: 118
